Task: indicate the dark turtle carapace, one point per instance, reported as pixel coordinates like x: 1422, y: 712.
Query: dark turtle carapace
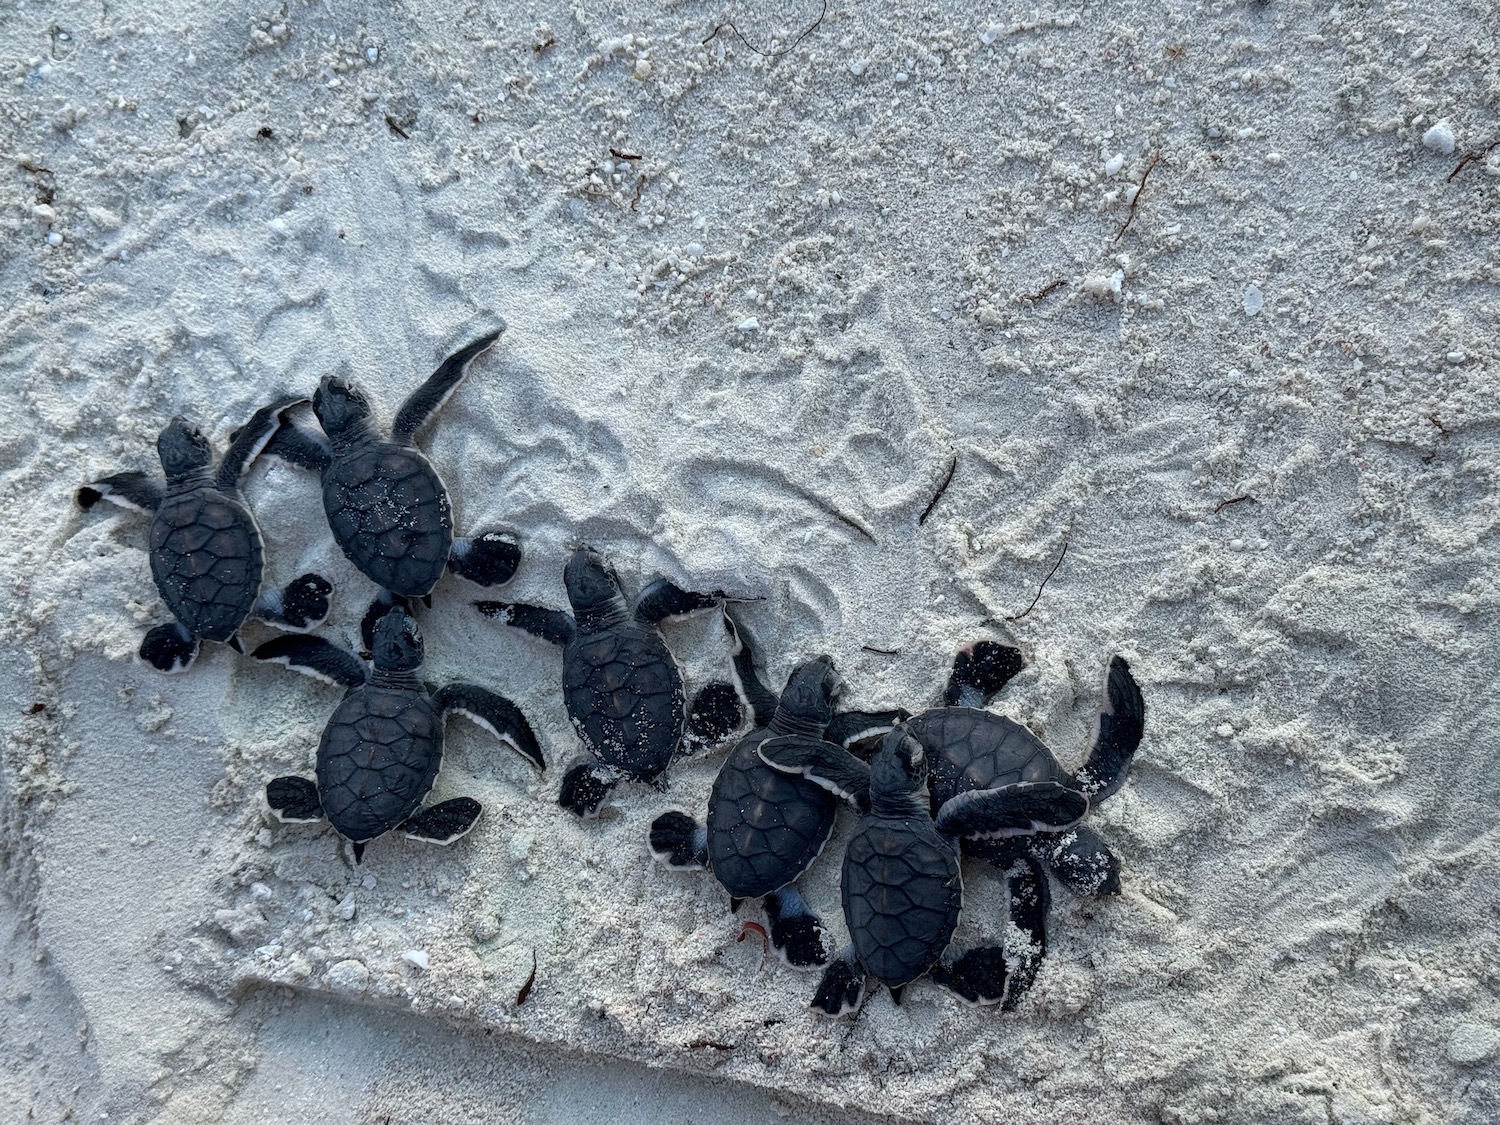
x: 971, y: 751
x: 621, y: 684
x: 902, y: 889
x: 765, y: 828
x: 206, y: 551
x: 386, y: 505
x: 382, y: 747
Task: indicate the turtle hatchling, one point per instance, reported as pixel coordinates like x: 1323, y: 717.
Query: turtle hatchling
x: 386, y: 505
x: 765, y: 827
x: 206, y: 551
x: 381, y: 750
x: 621, y: 684
x: 902, y: 889
x: 971, y: 750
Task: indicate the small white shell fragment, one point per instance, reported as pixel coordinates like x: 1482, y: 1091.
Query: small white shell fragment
x: 858, y: 67
x: 991, y: 33
x: 902, y: 76
x: 417, y: 959
x: 372, y: 54
x: 1255, y: 300
x: 1440, y: 137
x: 1224, y: 730
x: 368, y: 882
x: 1113, y: 165
x: 54, y: 239
x: 1456, y: 357
x: 750, y: 324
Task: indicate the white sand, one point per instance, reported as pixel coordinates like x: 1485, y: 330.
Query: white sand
x: 745, y: 360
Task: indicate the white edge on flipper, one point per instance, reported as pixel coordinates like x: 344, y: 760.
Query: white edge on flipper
x: 860, y: 736
x: 805, y: 771
x: 303, y: 668
x: 106, y: 493
x: 485, y: 724
x: 969, y: 796
x: 266, y: 807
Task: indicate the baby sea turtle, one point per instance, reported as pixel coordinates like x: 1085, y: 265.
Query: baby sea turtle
x: 381, y: 750
x: 970, y: 749
x: 902, y: 889
x: 622, y: 687
x: 386, y: 505
x: 206, y: 551
x: 765, y: 827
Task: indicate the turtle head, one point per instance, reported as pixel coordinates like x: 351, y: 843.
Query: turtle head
x: 398, y: 643
x: 593, y: 586
x: 899, y: 767
x: 812, y: 691
x: 183, y: 450
x: 341, y: 407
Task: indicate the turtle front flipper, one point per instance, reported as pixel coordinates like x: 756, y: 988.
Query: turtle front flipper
x: 294, y: 800
x: 856, y: 726
x: 822, y: 763
x: 979, y: 671
x: 842, y: 989
x: 664, y: 598
x: 1117, y: 733
x: 585, y: 786
x: 425, y: 401
x: 797, y: 933
x: 134, y: 490
x: 550, y: 625
x: 494, y: 713
x: 679, y: 842
x: 445, y: 822
x: 300, y: 606
x: 1011, y: 810
x: 250, y: 439
x: 315, y: 657
x: 747, y: 664
x: 1029, y: 902
x: 297, y: 446
x: 169, y: 648
x: 977, y: 976
x: 487, y: 559
x: 715, y: 714
x: 1081, y: 859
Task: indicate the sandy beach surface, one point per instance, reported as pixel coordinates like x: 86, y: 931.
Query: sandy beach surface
x: 1204, y: 295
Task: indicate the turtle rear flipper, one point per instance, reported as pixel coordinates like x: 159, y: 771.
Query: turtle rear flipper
x: 679, y: 842
x: 250, y: 440
x: 584, y: 788
x: 169, y: 648
x: 747, y: 659
x: 1117, y: 733
x: 315, y: 657
x: 443, y: 823
x: 1011, y: 810
x: 842, y: 989
x: 134, y: 490
x: 496, y: 714
x: 715, y: 714
x: 797, y: 933
x: 980, y: 671
x: 978, y: 976
x: 1081, y: 859
x: 427, y: 399
x: 550, y: 625
x: 822, y: 763
x: 487, y: 559
x: 294, y: 800
x: 1029, y: 902
x: 302, y: 605
x: 664, y: 598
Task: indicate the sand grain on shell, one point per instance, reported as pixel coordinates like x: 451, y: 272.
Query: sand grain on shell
x: 934, y: 226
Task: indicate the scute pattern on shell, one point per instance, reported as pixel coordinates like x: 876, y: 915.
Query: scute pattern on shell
x: 206, y: 557
x: 765, y: 827
x: 972, y: 749
x: 378, y: 759
x: 902, y: 895
x: 625, y: 697
x: 390, y: 514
